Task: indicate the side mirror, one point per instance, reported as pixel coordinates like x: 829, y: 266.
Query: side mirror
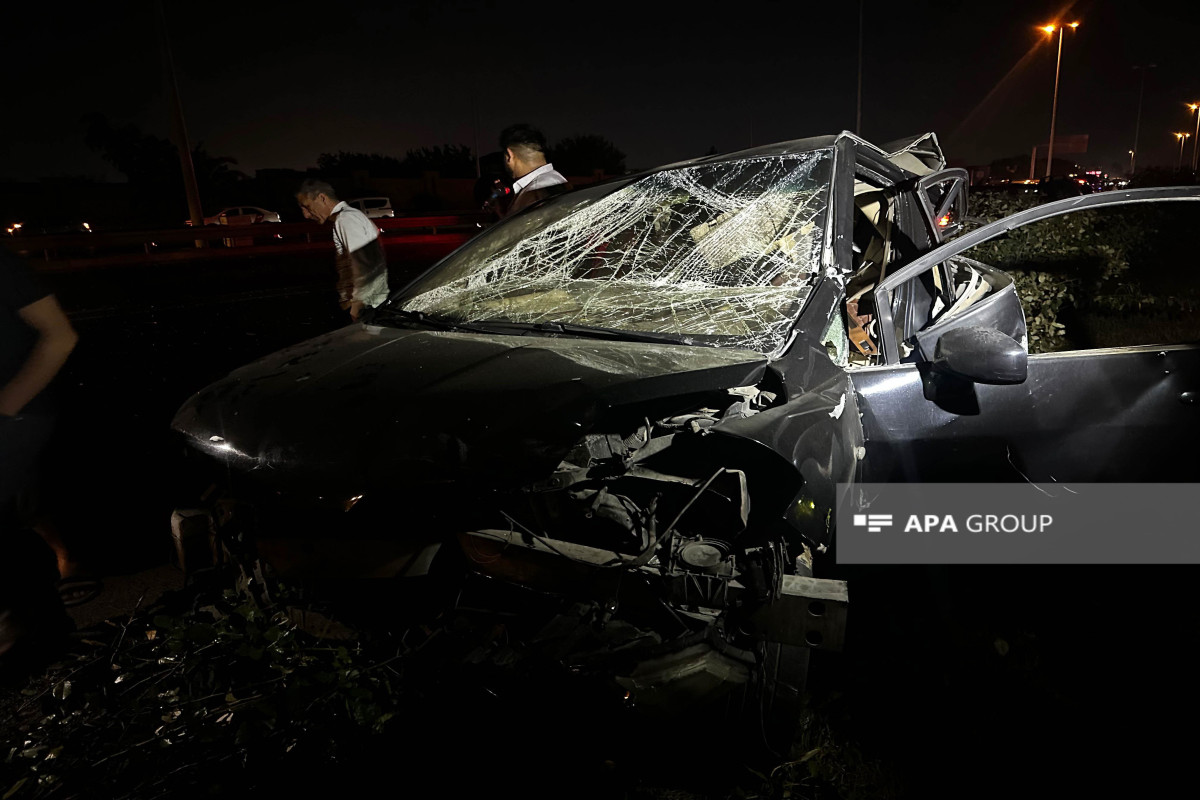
x: 982, y: 355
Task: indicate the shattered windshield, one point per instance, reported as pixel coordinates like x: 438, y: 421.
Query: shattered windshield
x: 727, y: 250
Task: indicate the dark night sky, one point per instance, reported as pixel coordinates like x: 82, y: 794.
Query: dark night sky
x: 276, y: 84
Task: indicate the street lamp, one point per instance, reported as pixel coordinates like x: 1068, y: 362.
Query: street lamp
x: 1137, y: 127
x: 1195, y: 107
x: 1182, y: 137
x: 1050, y: 29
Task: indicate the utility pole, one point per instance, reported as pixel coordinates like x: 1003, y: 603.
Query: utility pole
x: 475, y: 122
x: 1196, y: 138
x: 178, y: 129
x: 858, y: 110
x: 1137, y: 127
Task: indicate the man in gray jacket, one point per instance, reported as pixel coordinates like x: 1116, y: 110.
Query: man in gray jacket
x: 534, y: 178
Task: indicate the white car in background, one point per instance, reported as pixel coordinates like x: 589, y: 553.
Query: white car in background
x: 241, y: 215
x: 373, y: 207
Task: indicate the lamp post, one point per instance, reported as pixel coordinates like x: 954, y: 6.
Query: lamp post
x: 1050, y: 29
x: 858, y: 107
x: 1196, y: 108
x: 179, y: 129
x: 1182, y: 137
x: 1137, y: 126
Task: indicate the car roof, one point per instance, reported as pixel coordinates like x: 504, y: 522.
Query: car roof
x: 919, y: 154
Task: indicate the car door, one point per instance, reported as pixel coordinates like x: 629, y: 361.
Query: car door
x: 959, y: 399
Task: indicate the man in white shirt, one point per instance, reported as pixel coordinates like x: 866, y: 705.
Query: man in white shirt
x: 534, y: 178
x: 362, y: 280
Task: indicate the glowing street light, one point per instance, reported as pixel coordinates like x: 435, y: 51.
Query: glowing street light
x: 1050, y: 29
x: 1182, y: 137
x: 1196, y: 108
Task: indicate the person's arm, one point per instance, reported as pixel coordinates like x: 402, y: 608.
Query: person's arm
x: 55, y: 341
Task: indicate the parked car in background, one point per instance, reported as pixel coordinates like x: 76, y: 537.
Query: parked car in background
x: 373, y: 207
x: 241, y: 215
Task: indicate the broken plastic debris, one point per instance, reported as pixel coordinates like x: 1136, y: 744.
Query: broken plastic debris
x: 836, y: 413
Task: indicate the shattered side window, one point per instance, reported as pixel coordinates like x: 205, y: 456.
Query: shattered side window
x: 728, y: 250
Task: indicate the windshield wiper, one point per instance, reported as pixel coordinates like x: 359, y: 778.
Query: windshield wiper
x: 574, y: 329
x: 421, y: 318
x: 507, y: 326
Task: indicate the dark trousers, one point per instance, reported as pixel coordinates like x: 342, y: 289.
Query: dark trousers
x: 27, y: 566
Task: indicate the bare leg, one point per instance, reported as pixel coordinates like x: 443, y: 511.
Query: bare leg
x: 67, y: 566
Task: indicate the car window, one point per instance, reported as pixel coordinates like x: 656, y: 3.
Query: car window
x: 727, y: 250
x: 885, y: 234
x: 955, y: 293
x: 1107, y: 277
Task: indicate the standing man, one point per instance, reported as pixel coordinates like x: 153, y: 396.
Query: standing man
x: 534, y: 178
x: 362, y: 277
x: 35, y: 340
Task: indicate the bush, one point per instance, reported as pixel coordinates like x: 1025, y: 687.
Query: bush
x: 1070, y: 266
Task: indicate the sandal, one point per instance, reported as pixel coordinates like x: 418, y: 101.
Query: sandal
x: 77, y: 591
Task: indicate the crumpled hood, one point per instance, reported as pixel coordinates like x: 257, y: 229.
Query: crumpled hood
x: 367, y: 407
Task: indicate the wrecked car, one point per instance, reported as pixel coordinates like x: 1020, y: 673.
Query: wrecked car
x: 642, y: 396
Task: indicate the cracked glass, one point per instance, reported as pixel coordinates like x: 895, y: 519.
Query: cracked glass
x: 719, y: 253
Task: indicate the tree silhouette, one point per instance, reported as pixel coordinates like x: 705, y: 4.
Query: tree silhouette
x: 151, y: 165
x: 343, y: 164
x: 449, y: 161
x: 583, y: 155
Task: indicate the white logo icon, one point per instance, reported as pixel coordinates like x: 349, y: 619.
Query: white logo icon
x: 873, y: 522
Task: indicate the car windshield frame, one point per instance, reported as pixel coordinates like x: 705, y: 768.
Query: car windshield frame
x: 721, y: 252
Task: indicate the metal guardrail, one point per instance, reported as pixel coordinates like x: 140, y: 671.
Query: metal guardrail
x: 186, y: 243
